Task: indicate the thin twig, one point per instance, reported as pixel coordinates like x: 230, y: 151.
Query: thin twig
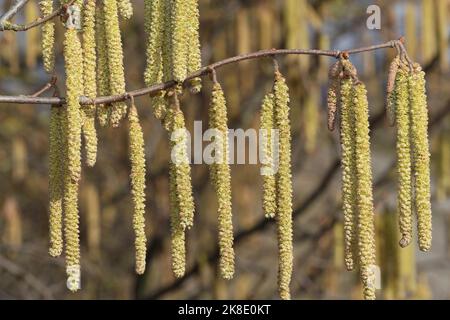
x: 152, y: 90
x: 46, y: 87
x: 17, y: 5
x: 8, y: 26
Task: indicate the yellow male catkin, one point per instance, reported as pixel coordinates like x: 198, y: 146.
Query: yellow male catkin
x: 400, y: 100
x: 115, y: 59
x: 48, y: 36
x: 90, y: 85
x: 137, y: 158
x: 103, y: 111
x: 421, y: 155
x: 125, y: 8
x: 390, y: 87
x: 269, y: 182
x: 333, y: 93
x: 180, y: 159
x: 348, y: 172
x: 194, y: 62
x: 179, y: 38
x: 366, y: 224
x: 56, y: 180
x: 284, y: 187
x: 220, y: 170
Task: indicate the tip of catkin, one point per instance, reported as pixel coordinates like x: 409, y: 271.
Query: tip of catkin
x: 73, y: 278
x: 404, y: 241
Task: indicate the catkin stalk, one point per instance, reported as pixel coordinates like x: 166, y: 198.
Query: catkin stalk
x: 400, y: 99
x: 284, y: 187
x: 48, y: 36
x: 421, y: 155
x: 366, y: 228
x: 221, y: 175
x: 115, y: 59
x: 137, y: 158
x: 269, y: 182
x: 348, y: 172
x: 90, y: 85
x: 56, y: 180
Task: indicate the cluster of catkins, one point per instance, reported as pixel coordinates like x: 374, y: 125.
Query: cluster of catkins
x: 94, y: 66
x: 407, y: 107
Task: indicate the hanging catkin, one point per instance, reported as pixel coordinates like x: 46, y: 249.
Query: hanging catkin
x: 348, y: 172
x: 125, y: 8
x: 194, y: 54
x: 180, y: 159
x: 390, y: 95
x: 284, y: 186
x: 179, y: 38
x: 366, y: 228
x: 220, y: 172
x: 90, y: 85
x: 421, y: 155
x: 48, y: 36
x: 400, y: 99
x: 103, y: 111
x: 115, y: 59
x: 137, y: 158
x: 333, y: 93
x: 56, y: 182
x: 269, y: 183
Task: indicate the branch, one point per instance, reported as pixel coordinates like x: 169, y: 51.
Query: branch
x: 18, y: 4
x: 6, y: 25
x: 152, y: 90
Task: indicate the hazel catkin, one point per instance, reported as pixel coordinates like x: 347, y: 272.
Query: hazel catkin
x: 222, y: 180
x: 48, y: 36
x: 125, y: 8
x: 284, y: 186
x: 333, y: 93
x: 194, y: 62
x: 421, y: 155
x: 137, y: 158
x: 179, y: 38
x: 390, y: 94
x: 90, y: 85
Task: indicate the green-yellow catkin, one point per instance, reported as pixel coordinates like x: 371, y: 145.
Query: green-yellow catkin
x: 74, y: 82
x: 72, y: 126
x: 179, y: 157
x: 56, y: 180
x: 400, y: 99
x: 421, y: 155
x: 221, y: 177
x: 90, y: 84
x: 154, y: 26
x: 115, y: 59
x: 390, y: 87
x: 268, y: 170
x: 179, y: 38
x: 333, y: 94
x: 366, y: 223
x: 137, y: 158
x: 194, y: 62
x: 284, y: 187
x: 48, y: 36
x: 103, y: 111
x: 125, y: 8
x: 348, y: 172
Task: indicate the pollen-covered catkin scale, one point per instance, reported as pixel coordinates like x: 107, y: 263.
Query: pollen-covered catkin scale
x: 222, y: 180
x: 348, y: 171
x: 269, y: 183
x: 48, y: 36
x: 401, y: 100
x: 137, y: 158
x: 90, y: 84
x: 390, y: 93
x: 333, y: 94
x: 421, y: 155
x: 74, y: 83
x: 103, y: 111
x: 179, y: 157
x: 115, y: 59
x: 125, y: 8
x: 284, y: 187
x: 179, y: 38
x: 366, y: 227
x: 56, y: 180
